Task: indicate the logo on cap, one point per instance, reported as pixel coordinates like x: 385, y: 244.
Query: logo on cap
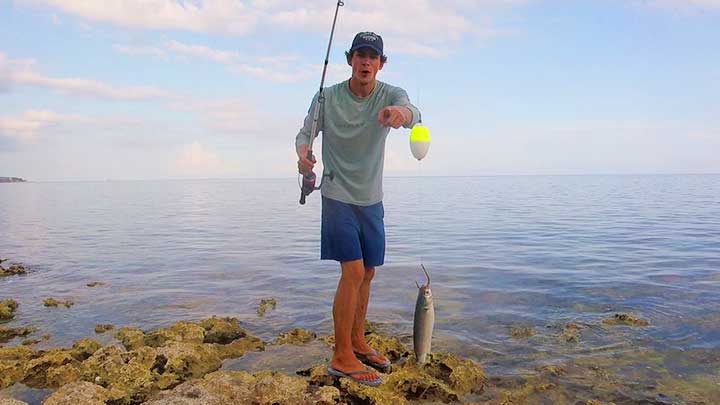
x: 368, y: 39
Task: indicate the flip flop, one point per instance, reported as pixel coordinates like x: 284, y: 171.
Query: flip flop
x: 351, y: 375
x: 365, y: 358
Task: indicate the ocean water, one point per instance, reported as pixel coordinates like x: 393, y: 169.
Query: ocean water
x: 503, y: 252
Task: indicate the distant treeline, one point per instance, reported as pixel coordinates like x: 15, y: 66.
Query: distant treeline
x: 11, y: 180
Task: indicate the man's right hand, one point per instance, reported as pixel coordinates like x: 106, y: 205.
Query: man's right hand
x: 305, y: 165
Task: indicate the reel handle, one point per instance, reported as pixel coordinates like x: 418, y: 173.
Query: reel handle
x: 308, y: 182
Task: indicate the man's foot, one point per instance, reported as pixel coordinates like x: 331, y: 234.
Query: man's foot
x: 355, y: 371
x: 374, y: 359
x: 370, y: 356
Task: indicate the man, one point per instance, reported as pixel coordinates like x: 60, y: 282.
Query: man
x: 355, y: 119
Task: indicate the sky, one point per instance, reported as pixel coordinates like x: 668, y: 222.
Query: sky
x: 167, y: 89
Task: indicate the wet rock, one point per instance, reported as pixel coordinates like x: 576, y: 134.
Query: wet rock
x: 95, y: 284
x: 30, y: 342
x: 79, y: 393
x: 296, y: 336
x: 222, y: 330
x: 15, y: 269
x: 239, y: 347
x: 52, y: 302
x: 462, y: 375
x: 522, y: 332
x: 237, y: 387
x: 186, y: 332
x: 625, y: 319
x: 443, y: 378
x: 48, y: 371
x: 355, y: 393
x: 129, y: 377
x: 58, y: 367
x: 189, y: 360
x: 318, y: 375
x: 11, y: 401
x: 265, y: 304
x: 7, y: 334
x: 102, y: 328
x: 570, y: 333
x: 324, y: 396
x: 12, y: 364
x: 554, y: 370
x: 389, y: 346
x: 84, y: 348
x: 7, y: 309
x: 131, y: 338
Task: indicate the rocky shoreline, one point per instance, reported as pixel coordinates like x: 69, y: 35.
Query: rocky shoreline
x: 217, y: 360
x: 181, y: 365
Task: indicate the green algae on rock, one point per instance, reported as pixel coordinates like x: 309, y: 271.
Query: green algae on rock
x: 58, y: 367
x: 7, y: 334
x: 102, y: 328
x: 95, y: 284
x: 180, y: 332
x: 625, y: 319
x: 222, y: 330
x: 265, y: 304
x: 297, y: 336
x: 7, y: 309
x: 570, y: 333
x: 444, y: 378
x: 52, y: 302
x: 15, y: 269
x: 237, y: 387
x: 131, y: 338
x: 521, y: 332
x: 12, y: 364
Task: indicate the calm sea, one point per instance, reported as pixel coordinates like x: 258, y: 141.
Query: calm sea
x: 506, y: 251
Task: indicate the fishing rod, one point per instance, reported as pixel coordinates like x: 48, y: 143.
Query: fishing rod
x: 308, y: 181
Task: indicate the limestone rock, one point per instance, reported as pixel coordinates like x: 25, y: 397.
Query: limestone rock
x: 222, y: 330
x: 131, y: 338
x: 186, y: 332
x: 13, y: 361
x: 7, y: 309
x: 296, y: 336
x: 79, y: 393
x: 237, y: 387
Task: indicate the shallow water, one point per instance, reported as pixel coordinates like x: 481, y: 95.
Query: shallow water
x: 533, y: 251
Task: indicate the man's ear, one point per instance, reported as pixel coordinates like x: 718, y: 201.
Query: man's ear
x: 381, y: 65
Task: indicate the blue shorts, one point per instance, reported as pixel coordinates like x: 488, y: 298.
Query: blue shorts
x: 352, y: 232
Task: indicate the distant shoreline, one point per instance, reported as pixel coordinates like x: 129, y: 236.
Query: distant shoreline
x: 12, y: 180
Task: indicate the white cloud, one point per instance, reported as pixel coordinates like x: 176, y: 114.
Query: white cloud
x: 423, y: 27
x: 30, y: 123
x: 23, y: 72
x: 152, y: 51
x: 197, y: 160
x: 204, y: 52
x: 225, y: 16
x: 277, y: 68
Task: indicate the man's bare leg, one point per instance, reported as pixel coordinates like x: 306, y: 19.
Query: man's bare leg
x: 344, y: 313
x: 358, y: 331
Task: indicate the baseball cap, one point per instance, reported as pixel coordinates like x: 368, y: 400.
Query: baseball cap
x: 367, y: 40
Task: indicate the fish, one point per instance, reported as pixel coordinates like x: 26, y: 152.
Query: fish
x: 424, y: 320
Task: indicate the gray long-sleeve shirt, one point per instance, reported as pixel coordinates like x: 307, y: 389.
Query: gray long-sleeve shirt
x: 353, y: 148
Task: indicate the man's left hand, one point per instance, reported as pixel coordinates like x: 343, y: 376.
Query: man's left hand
x: 394, y: 116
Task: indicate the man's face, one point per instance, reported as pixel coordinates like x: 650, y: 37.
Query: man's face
x: 365, y: 64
